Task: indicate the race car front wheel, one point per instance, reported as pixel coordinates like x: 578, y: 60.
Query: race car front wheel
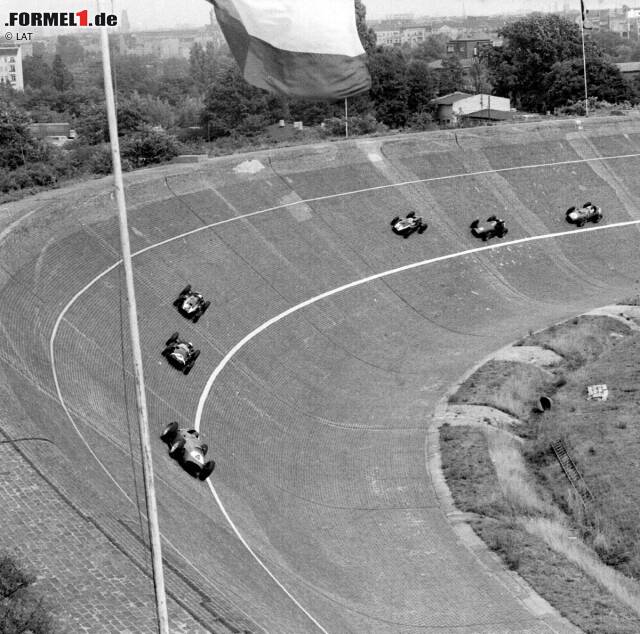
x: 207, y: 470
x: 170, y: 340
x: 169, y: 432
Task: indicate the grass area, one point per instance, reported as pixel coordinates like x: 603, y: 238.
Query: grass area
x: 21, y: 611
x: 509, y: 386
x: 583, y: 558
x: 579, y: 340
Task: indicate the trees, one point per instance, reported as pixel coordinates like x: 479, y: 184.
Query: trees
x: 451, y: 75
x: 434, y: 47
x: 422, y: 86
x: 61, y: 78
x: 540, y: 65
x: 565, y: 82
x: 366, y: 34
x: 36, y: 71
x: 230, y: 100
x: 389, y: 91
x: 17, y: 146
x: 531, y: 47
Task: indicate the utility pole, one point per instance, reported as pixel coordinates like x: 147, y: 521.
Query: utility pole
x: 143, y: 423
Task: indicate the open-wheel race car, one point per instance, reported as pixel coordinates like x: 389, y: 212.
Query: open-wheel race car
x: 587, y: 213
x: 406, y: 226
x: 190, y: 304
x: 180, y: 354
x: 186, y: 447
x: 494, y: 227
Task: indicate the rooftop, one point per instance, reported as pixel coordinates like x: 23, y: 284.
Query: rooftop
x: 451, y: 98
x: 629, y: 67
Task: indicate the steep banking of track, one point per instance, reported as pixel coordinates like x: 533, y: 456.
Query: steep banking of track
x: 318, y: 423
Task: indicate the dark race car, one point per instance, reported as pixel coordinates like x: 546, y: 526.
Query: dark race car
x: 588, y: 213
x: 494, y: 227
x: 190, y: 304
x: 186, y: 447
x: 406, y: 226
x: 180, y: 354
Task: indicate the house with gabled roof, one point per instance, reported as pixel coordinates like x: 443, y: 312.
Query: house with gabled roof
x: 452, y: 107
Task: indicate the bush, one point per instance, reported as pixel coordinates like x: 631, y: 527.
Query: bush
x: 20, y: 610
x: 359, y: 124
x: 149, y: 146
x: 421, y: 121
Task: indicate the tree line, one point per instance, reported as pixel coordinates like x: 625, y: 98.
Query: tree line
x: 169, y: 106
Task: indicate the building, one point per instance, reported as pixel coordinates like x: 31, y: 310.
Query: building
x: 451, y: 108
x: 169, y: 42
x: 629, y: 70
x: 54, y: 133
x: 468, y: 46
x: 11, y: 67
x: 624, y: 21
x: 399, y: 32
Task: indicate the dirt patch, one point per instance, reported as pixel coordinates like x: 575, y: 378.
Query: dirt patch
x: 509, y: 386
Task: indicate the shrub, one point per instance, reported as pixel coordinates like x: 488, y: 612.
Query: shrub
x: 149, y: 146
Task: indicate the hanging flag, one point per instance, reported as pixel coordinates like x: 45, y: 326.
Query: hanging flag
x: 298, y: 48
x: 584, y: 17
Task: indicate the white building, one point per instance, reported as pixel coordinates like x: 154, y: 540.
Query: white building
x: 11, y: 67
x: 452, y: 107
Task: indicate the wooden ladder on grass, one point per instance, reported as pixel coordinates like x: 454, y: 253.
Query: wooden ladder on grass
x: 571, y: 471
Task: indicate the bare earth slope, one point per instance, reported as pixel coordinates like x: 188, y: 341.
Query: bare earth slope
x: 318, y: 424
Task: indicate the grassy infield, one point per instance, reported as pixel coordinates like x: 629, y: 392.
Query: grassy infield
x: 579, y: 557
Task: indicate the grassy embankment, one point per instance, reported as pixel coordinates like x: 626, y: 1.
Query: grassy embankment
x: 579, y: 556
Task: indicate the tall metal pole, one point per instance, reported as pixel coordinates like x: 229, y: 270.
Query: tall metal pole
x: 346, y: 120
x: 584, y: 61
x: 141, y: 402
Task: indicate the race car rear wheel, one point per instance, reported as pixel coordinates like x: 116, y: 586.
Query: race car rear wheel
x: 422, y: 228
x: 597, y: 219
x: 176, y: 448
x: 174, y: 337
x: 207, y: 470
x: 586, y: 205
x: 186, y: 289
x: 169, y: 432
x: 411, y: 214
x: 580, y: 223
x: 393, y: 222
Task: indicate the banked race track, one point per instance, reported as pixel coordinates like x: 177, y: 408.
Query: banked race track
x: 327, y: 346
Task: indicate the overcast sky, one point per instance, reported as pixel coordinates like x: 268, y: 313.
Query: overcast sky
x: 151, y: 14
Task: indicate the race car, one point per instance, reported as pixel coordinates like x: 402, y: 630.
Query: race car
x: 406, y: 226
x: 494, y: 227
x: 588, y: 213
x: 190, y: 304
x: 186, y: 447
x: 180, y: 354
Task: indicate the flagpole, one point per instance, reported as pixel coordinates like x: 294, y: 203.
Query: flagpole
x: 346, y: 120
x: 147, y: 467
x: 584, y: 59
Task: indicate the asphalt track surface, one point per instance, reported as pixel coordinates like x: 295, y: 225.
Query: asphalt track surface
x: 327, y: 346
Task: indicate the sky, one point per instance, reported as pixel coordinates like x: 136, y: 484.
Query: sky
x: 152, y: 14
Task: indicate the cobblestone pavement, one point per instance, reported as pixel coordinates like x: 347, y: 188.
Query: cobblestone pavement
x: 88, y: 582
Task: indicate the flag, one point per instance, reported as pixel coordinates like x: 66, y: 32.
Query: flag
x: 298, y: 48
x: 584, y: 16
